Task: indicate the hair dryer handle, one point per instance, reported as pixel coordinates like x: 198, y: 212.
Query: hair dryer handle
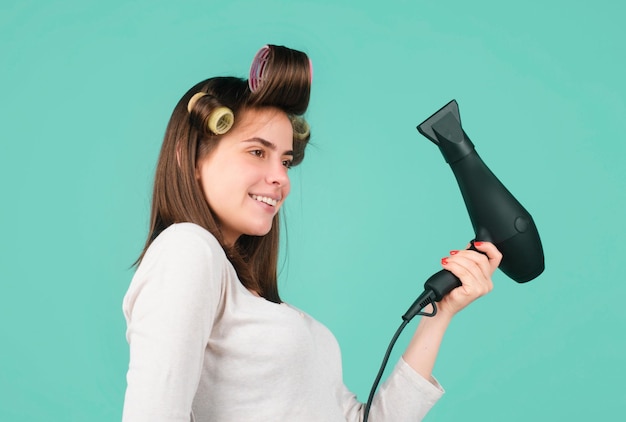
x: 443, y: 282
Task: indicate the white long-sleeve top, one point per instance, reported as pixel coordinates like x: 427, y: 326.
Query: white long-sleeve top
x: 204, y: 348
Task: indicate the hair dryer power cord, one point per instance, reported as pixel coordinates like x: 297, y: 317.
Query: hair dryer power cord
x: 426, y: 298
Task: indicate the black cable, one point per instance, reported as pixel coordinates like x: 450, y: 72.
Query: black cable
x: 422, y: 301
x: 382, y: 369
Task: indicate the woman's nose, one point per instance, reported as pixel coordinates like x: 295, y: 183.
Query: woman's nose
x: 277, y: 174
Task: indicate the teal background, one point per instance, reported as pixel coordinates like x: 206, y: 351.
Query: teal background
x: 86, y: 89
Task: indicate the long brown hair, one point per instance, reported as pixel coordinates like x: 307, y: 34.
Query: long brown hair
x: 177, y: 195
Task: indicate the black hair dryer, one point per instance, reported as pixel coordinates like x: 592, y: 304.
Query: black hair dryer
x: 496, y: 215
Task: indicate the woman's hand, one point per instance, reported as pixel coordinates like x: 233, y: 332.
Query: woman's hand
x: 474, y: 270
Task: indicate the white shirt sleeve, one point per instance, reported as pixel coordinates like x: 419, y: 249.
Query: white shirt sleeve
x: 170, y: 307
x: 404, y: 397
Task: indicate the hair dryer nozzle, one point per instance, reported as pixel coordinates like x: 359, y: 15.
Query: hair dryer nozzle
x: 444, y: 129
x: 425, y: 128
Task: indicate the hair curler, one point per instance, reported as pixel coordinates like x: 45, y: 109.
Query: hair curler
x: 259, y: 65
x: 495, y: 214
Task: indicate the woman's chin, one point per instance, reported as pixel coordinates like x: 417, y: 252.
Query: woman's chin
x: 258, y: 231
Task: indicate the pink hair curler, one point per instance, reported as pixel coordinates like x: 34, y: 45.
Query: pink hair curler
x: 258, y: 68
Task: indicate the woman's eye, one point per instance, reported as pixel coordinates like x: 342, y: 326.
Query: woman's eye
x: 288, y: 163
x: 257, y: 153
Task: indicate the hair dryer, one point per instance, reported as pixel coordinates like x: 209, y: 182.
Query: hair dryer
x: 496, y: 215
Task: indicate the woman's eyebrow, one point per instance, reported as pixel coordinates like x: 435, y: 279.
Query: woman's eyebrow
x: 268, y: 144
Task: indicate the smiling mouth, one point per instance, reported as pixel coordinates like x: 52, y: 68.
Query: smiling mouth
x: 265, y: 200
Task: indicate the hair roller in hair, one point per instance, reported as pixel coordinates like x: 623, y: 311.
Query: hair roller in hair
x: 258, y: 67
x: 221, y: 120
x: 194, y: 99
x: 301, y: 129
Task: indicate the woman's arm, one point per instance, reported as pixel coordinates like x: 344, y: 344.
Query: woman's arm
x: 474, y: 270
x: 169, y: 308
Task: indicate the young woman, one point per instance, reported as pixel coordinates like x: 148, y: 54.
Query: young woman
x: 210, y: 338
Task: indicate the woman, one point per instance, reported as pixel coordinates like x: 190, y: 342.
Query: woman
x: 210, y: 338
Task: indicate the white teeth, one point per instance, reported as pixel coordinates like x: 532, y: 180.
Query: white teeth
x: 265, y: 199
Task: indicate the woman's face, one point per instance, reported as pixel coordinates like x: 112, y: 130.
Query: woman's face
x: 244, y: 179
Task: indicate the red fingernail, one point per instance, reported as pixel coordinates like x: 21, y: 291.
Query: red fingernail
x: 478, y: 243
x: 454, y: 252
x: 444, y: 261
